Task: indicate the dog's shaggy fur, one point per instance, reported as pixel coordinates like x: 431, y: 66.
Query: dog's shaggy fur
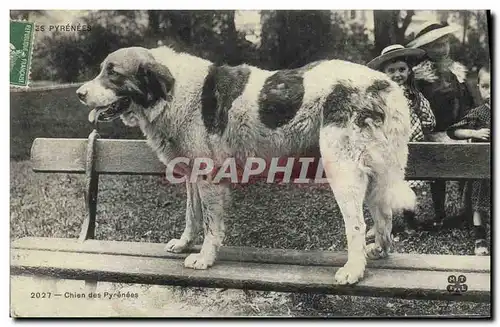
x: 188, y: 107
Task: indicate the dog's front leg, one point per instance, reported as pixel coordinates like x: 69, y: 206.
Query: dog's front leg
x: 214, y: 202
x: 193, y: 221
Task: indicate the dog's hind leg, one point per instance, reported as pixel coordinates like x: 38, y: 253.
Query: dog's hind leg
x: 381, y: 213
x: 348, y: 181
x: 193, y: 221
x: 214, y: 202
x: 389, y: 193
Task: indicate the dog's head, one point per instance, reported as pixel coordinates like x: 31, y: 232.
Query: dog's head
x: 129, y: 77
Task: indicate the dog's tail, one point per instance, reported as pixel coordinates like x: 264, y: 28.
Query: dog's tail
x: 389, y: 154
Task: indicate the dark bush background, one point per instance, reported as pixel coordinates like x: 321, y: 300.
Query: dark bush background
x: 288, y: 38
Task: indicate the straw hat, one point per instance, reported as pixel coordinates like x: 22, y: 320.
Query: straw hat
x: 431, y: 31
x: 396, y: 51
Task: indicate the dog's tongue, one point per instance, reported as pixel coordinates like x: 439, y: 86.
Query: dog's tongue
x: 93, y: 115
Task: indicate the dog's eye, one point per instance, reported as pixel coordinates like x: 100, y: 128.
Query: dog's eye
x: 110, y: 69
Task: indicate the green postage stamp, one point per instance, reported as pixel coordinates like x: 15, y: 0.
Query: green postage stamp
x: 21, y: 51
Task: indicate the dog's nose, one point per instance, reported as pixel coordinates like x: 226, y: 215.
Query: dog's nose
x: 82, y: 94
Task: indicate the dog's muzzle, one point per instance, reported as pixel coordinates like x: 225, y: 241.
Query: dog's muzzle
x: 109, y: 112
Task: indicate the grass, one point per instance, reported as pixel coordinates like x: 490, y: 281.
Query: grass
x: 141, y: 209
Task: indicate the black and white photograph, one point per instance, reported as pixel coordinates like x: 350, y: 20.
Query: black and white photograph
x: 251, y: 163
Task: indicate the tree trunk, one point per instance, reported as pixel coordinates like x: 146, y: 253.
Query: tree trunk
x: 181, y: 24
x: 230, y: 38
x: 466, y: 19
x: 154, y: 22
x: 402, y: 30
x: 386, y: 29
x: 269, y: 39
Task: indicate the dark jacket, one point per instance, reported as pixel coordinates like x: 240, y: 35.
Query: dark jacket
x: 448, y: 93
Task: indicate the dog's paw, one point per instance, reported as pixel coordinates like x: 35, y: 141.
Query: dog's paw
x: 198, y: 261
x: 375, y: 251
x: 176, y: 245
x: 351, y: 273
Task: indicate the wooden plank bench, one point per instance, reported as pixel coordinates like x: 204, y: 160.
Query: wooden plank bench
x: 413, y: 276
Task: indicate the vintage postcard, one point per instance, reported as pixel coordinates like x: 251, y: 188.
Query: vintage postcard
x: 237, y: 163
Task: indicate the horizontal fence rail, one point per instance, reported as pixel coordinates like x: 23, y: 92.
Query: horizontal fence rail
x: 427, y: 160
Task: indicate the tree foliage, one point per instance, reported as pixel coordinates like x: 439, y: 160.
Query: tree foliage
x: 292, y: 39
x: 474, y: 49
x: 288, y: 38
x: 69, y: 57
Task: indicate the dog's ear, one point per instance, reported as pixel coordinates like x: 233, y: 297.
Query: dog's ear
x: 156, y: 81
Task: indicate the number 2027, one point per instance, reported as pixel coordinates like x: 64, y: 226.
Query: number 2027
x: 41, y: 295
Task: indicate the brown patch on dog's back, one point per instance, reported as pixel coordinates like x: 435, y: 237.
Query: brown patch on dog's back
x: 377, y: 86
x: 338, y: 106
x: 223, y: 84
x: 375, y: 91
x: 346, y: 101
x: 281, y: 96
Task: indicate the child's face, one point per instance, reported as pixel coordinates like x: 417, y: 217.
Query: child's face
x: 398, y: 71
x: 484, y: 85
x: 438, y: 49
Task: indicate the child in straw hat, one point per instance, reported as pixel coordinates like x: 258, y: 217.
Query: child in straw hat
x: 397, y: 62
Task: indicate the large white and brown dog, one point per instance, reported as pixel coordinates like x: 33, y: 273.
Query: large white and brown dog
x: 188, y: 107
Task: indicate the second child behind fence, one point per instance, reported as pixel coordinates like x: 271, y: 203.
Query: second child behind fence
x: 476, y: 126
